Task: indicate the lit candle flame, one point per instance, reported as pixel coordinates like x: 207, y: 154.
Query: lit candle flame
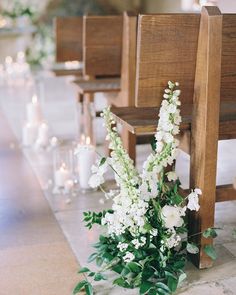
x: 20, y: 57
x: 8, y: 60
x: 34, y: 99
x: 82, y: 138
x: 63, y: 167
x: 88, y: 140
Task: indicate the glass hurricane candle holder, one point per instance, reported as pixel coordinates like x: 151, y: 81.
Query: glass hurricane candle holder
x: 63, y: 168
x: 86, y: 157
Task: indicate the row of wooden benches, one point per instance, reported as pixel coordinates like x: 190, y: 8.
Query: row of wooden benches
x: 198, y: 51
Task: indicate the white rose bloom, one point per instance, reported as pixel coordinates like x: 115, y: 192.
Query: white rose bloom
x: 193, y: 200
x: 128, y: 257
x: 96, y: 180
x: 171, y: 216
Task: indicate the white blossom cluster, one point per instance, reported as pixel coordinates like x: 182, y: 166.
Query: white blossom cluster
x: 166, y: 144
x: 131, y: 203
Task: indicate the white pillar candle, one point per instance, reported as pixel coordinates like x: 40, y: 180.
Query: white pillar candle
x: 29, y: 134
x: 86, y: 158
x: 8, y: 61
x: 20, y: 57
x: 33, y: 111
x: 61, y: 176
x: 43, y: 135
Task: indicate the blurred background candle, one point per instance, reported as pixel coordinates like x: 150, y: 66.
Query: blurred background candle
x: 29, y: 134
x: 86, y: 158
x: 61, y: 176
x: 33, y: 111
x: 20, y: 58
x: 63, y: 167
x: 8, y: 62
x: 43, y: 135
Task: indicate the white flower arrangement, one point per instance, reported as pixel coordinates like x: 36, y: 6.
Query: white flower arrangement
x: 146, y: 239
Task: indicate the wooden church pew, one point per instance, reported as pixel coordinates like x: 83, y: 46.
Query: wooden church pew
x: 102, y: 45
x: 68, y: 33
x: 206, y: 72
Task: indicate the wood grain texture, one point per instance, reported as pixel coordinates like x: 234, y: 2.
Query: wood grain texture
x: 102, y: 43
x: 67, y: 72
x: 225, y: 193
x: 228, y: 76
x: 98, y: 85
x: 68, y: 35
x: 128, y: 64
x: 144, y: 120
x: 205, y: 128
x: 166, y: 50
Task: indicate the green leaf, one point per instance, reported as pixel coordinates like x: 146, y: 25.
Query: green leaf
x: 92, y: 257
x: 152, y: 291
x: 117, y: 268
x: 121, y: 282
x: 107, y: 256
x: 182, y: 277
x: 99, y: 276
x: 163, y: 286
x: 102, y: 161
x: 169, y: 274
x: 210, y: 251
x: 125, y: 271
x: 148, y: 273
x: 192, y: 248
x: 134, y: 267
x: 179, y: 264
x: 84, y: 269
x: 91, y: 274
x: 172, y: 283
x: 99, y: 261
x: 137, y: 280
x: 80, y: 286
x: 153, y: 143
x: 177, y: 199
x: 88, y: 289
x: 210, y: 233
x: 162, y: 292
x: 145, y: 287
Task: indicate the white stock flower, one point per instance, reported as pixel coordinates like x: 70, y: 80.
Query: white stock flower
x: 128, y: 257
x: 139, y: 242
x: 95, y: 180
x: 193, y: 200
x: 153, y: 232
x: 173, y: 240
x: 172, y: 176
x: 159, y: 146
x: 171, y: 216
x: 122, y: 246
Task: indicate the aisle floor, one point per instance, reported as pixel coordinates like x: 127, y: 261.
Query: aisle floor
x: 35, y: 257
